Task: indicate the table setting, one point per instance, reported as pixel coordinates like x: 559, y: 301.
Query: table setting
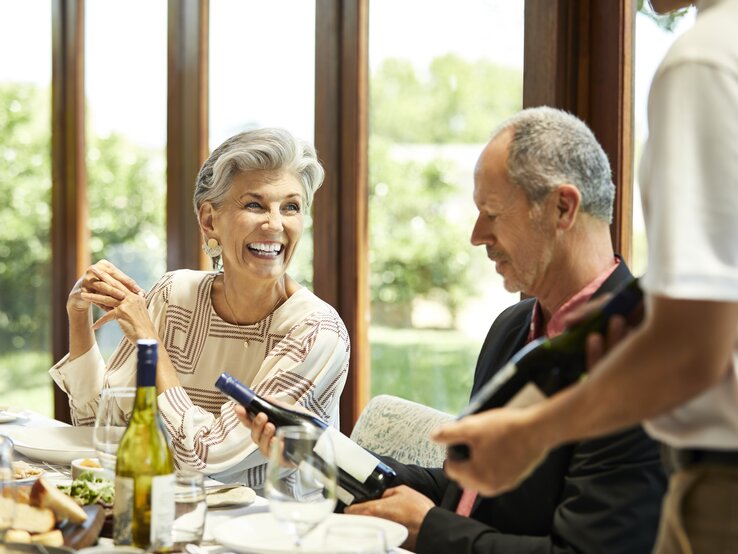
x: 294, y: 512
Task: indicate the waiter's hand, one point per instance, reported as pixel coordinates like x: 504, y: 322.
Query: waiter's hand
x: 503, y: 449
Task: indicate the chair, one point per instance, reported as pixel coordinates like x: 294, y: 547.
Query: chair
x: 400, y: 428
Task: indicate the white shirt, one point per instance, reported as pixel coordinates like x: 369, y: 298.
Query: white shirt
x: 689, y: 184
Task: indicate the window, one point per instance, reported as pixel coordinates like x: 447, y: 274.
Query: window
x: 126, y: 91
x: 654, y: 36
x: 262, y: 74
x: 25, y: 208
x: 434, y: 102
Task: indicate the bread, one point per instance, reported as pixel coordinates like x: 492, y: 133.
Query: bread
x: 50, y: 538
x: 33, y: 519
x: 45, y: 495
x: 17, y: 535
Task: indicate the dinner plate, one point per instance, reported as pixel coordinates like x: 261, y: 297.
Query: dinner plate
x: 262, y: 534
x: 56, y: 445
x: 7, y: 417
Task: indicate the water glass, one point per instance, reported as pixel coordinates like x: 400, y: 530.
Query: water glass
x: 7, y: 485
x: 111, y: 421
x: 357, y: 538
x: 190, y: 509
x: 301, y: 484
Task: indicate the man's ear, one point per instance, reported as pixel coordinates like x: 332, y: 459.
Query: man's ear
x: 568, y: 200
x: 207, y: 217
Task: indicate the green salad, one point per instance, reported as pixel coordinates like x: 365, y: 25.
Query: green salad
x: 89, y: 489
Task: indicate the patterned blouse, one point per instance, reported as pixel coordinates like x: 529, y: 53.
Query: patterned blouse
x: 299, y: 354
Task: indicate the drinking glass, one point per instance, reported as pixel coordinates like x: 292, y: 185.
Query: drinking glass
x: 190, y: 509
x: 301, y: 484
x: 355, y: 538
x: 111, y: 420
x: 7, y: 485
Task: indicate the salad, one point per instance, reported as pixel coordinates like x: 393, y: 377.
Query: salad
x: 90, y: 489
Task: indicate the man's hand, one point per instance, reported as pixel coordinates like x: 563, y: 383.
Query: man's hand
x: 503, y: 448
x: 402, y: 505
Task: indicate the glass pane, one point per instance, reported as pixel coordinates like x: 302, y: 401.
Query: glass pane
x: 654, y: 36
x: 25, y: 205
x: 262, y: 74
x: 434, y: 102
x: 126, y: 72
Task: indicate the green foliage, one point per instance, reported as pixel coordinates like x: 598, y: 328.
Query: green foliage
x: 435, y: 368
x: 417, y: 247
x: 419, y: 230
x: 668, y: 22
x: 459, y: 101
x: 25, y: 212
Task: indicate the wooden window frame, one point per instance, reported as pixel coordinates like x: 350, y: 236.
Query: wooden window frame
x: 578, y: 56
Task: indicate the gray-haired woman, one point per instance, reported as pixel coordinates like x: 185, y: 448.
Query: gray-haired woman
x: 250, y: 318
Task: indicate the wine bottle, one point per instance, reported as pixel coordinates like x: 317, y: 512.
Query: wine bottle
x: 361, y: 476
x: 143, y: 512
x: 547, y: 365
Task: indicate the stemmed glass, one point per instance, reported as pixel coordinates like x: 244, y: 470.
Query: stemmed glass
x: 301, y: 485
x: 111, y: 420
x: 7, y: 485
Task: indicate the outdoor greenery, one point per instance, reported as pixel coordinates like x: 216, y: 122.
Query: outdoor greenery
x: 415, y: 234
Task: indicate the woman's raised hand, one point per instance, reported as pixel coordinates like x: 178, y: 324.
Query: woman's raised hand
x: 88, y: 289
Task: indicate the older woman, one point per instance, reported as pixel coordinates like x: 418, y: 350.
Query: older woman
x: 250, y: 319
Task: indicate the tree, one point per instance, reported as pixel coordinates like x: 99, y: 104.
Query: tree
x: 418, y: 227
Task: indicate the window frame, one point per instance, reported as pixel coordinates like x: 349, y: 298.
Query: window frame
x: 578, y: 56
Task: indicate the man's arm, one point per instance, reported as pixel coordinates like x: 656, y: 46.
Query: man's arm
x: 682, y: 348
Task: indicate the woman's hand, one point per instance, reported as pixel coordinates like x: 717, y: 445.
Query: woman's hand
x: 89, y: 290
x: 122, y: 299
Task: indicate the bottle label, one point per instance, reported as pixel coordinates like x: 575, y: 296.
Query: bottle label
x: 162, y: 511
x: 527, y: 396
x: 344, y: 496
x: 349, y: 456
x: 123, y: 511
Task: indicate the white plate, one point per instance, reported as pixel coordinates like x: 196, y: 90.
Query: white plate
x: 56, y: 445
x: 7, y: 417
x: 261, y: 534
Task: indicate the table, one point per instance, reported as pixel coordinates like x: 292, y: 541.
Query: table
x: 214, y: 518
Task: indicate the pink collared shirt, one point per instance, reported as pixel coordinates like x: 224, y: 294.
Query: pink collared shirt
x: 555, y: 327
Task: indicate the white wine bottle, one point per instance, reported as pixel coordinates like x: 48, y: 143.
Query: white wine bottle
x: 143, y: 513
x: 361, y: 476
x: 545, y: 366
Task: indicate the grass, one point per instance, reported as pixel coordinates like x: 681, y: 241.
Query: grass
x: 432, y: 367
x: 25, y: 381
x: 435, y: 368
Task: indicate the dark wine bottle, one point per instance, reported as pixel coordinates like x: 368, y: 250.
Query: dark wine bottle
x: 361, y: 476
x: 143, y: 513
x: 545, y: 366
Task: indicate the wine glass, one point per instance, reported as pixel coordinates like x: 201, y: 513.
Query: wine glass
x: 301, y: 484
x: 7, y: 486
x: 111, y: 421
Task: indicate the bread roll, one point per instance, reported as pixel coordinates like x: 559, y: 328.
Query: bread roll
x: 45, y: 495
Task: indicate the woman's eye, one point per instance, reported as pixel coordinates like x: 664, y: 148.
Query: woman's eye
x: 252, y: 206
x: 292, y: 207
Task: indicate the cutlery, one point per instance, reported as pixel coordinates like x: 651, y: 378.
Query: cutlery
x: 212, y: 489
x: 59, y: 469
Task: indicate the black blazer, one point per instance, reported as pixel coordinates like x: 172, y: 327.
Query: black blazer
x: 596, y: 497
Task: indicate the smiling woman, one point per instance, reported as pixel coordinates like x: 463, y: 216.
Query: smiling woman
x: 250, y: 318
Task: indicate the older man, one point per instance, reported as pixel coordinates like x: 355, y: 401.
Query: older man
x: 679, y: 368
x: 544, y: 193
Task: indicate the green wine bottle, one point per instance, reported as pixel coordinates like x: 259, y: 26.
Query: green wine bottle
x: 143, y: 513
x: 547, y: 365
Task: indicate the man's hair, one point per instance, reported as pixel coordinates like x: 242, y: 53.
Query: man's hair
x: 550, y: 147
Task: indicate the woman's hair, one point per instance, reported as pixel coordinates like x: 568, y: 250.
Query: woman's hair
x: 257, y: 150
x: 550, y: 147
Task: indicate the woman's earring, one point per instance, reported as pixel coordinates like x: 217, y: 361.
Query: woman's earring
x: 212, y: 248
